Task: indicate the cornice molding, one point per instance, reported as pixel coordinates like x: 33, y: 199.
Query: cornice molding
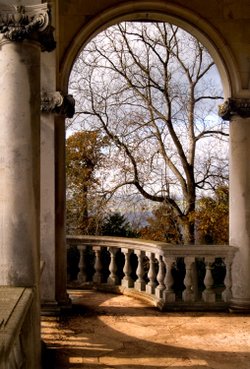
x: 234, y: 107
x: 55, y: 102
x: 32, y: 22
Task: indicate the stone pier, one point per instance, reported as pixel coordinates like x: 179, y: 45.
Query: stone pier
x: 238, y: 112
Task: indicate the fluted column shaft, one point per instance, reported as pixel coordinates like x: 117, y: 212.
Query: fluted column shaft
x: 19, y: 163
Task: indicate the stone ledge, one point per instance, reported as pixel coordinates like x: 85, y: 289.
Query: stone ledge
x: 14, y: 305
x: 9, y: 297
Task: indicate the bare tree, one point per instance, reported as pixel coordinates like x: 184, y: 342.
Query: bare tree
x: 153, y: 89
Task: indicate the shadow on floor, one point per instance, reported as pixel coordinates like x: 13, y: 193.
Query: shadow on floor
x: 105, y: 331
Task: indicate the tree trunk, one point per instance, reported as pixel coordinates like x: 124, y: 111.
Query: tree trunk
x: 188, y: 231
x: 84, y: 211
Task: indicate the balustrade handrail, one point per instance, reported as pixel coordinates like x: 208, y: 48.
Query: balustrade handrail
x: 172, y: 276
x: 161, y: 248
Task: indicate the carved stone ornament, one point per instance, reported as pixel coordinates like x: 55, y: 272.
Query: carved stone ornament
x: 57, y: 103
x: 232, y: 107
x: 18, y: 22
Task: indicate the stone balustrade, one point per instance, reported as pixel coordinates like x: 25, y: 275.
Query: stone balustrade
x: 16, y: 340
x: 173, y: 277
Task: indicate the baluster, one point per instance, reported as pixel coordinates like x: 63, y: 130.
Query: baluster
x: 150, y: 286
x: 97, y: 277
x: 112, y: 279
x: 188, y: 293
x: 140, y: 283
x: 168, y: 293
x: 208, y: 294
x: 127, y: 281
x: 82, y: 276
x: 227, y: 293
x: 160, y: 278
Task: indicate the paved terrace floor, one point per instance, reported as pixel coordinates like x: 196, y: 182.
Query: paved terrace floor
x: 106, y: 331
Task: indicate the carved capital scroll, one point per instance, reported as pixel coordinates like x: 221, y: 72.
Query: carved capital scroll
x: 57, y: 103
x: 232, y: 107
x: 33, y: 22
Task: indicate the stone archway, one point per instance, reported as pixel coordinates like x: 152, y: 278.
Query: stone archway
x: 238, y: 111
x: 158, y: 11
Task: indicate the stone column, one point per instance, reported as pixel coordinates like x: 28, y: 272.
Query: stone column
x: 47, y: 218
x: 47, y: 214
x: 19, y: 163
x: 23, y: 31
x: 66, y: 110
x: 55, y: 108
x: 238, y: 112
x: 20, y: 142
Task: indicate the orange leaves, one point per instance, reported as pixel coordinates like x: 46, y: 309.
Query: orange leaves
x: 83, y: 157
x: 212, y: 217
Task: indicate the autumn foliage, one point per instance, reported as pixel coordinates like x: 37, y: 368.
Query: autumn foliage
x: 211, y: 219
x: 83, y: 158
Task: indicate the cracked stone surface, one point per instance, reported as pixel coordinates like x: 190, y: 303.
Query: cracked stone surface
x: 106, y: 331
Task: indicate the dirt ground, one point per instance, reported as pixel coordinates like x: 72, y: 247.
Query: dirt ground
x: 106, y: 331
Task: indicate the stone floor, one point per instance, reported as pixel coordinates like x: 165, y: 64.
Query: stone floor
x: 105, y: 331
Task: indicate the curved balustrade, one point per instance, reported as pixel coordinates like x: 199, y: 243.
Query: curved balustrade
x: 172, y: 276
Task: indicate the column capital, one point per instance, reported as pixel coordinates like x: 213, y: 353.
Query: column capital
x: 55, y: 102
x: 234, y: 106
x: 32, y: 22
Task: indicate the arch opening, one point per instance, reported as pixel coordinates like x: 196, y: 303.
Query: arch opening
x: 184, y: 139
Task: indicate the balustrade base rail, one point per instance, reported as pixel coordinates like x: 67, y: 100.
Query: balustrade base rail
x: 171, y: 277
x: 152, y: 299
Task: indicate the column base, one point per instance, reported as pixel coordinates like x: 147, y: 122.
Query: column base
x: 53, y: 308
x: 50, y: 308
x: 237, y: 305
